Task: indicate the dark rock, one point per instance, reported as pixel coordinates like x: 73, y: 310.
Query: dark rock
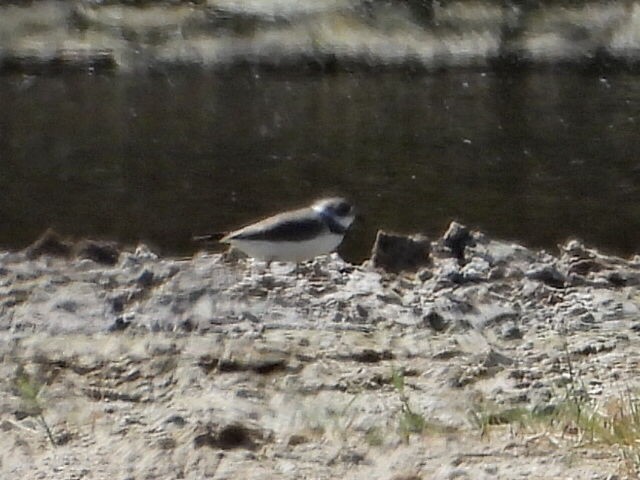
x: 446, y: 354
x: 511, y: 332
x: 458, y: 378
x: 424, y: 275
x: 261, y: 366
x: 166, y: 443
x: 265, y: 367
x: 250, y: 393
x: 230, y: 437
x: 407, y: 476
x: 145, y: 279
x: 187, y: 325
x: 22, y: 414
x: 118, y: 303
x: 230, y: 365
x: 120, y: 324
x: 351, y: 456
x: 548, y: 275
x: 297, y: 439
x: 591, y: 348
x: 362, y: 311
x: 452, y: 275
x: 50, y: 243
x: 177, y: 420
x: 456, y: 239
x: 208, y: 363
x: 499, y: 315
x: 68, y: 306
x: 249, y: 317
x: 436, y: 321
x: 518, y: 374
x: 623, y: 278
x: 63, y: 438
x: 108, y: 394
x: 390, y: 298
x: 396, y: 253
x: 104, y: 253
x: 371, y: 356
x: 6, y: 425
x: 584, y: 266
x: 496, y: 359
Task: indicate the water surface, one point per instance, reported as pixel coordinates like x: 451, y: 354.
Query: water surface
x: 535, y: 157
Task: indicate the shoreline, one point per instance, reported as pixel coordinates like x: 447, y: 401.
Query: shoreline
x: 343, y: 35
x: 123, y: 282
x: 214, y: 366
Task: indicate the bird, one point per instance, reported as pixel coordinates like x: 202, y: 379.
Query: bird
x: 295, y: 235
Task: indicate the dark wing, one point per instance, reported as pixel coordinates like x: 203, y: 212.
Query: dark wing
x: 292, y: 226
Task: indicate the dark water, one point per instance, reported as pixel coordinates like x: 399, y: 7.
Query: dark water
x: 537, y: 157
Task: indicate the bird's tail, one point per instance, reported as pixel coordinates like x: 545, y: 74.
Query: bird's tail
x: 210, y: 237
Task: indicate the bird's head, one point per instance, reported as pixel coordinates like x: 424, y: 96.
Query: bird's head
x: 337, y: 208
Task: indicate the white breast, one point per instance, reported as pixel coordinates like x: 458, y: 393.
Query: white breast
x: 297, y: 251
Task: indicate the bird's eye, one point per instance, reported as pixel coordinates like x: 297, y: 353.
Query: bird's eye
x: 343, y: 208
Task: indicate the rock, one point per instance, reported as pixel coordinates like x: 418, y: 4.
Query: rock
x: 371, y: 356
x: 496, y: 359
x: 407, y: 476
x: 145, y: 279
x: 262, y: 365
x: 207, y: 362
x: 104, y: 253
x: 593, y: 347
x: 476, y: 270
x: 623, y: 278
x: 436, y: 321
x: 424, y: 274
x: 50, y: 243
x: 510, y: 332
x: 120, y: 324
x: 456, y: 239
x: 177, y: 420
x: 230, y: 437
x: 583, y: 267
x: 144, y: 253
x: 297, y: 439
x: 396, y: 253
x: 447, y: 353
x: 362, y: 311
x: 350, y: 456
x: 547, y: 274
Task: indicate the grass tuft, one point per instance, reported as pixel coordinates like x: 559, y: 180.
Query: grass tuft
x: 29, y: 388
x: 576, y: 418
x: 409, y: 421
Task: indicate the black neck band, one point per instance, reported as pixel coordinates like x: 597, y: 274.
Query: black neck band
x: 334, y: 226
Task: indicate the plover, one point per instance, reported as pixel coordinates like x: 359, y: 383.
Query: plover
x: 296, y: 235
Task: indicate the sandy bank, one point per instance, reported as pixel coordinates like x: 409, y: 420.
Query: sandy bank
x: 214, y: 367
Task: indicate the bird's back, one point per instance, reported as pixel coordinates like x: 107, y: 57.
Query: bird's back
x: 293, y: 226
